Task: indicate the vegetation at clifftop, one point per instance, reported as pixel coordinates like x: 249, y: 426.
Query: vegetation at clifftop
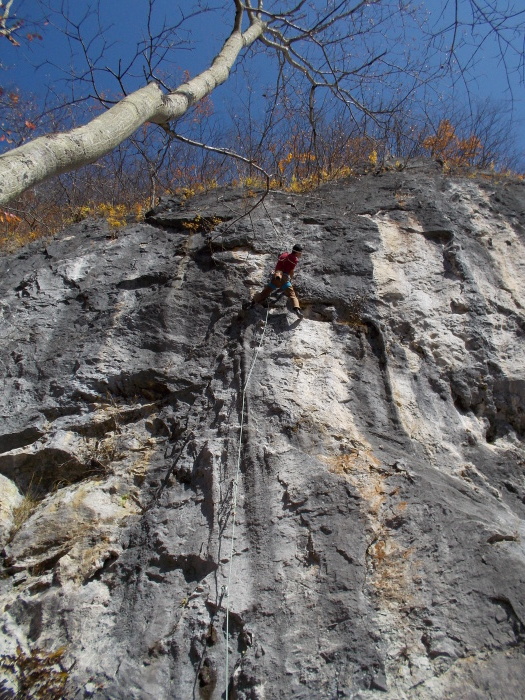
x: 347, y: 88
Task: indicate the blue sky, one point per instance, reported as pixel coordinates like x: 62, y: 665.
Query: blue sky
x: 40, y: 65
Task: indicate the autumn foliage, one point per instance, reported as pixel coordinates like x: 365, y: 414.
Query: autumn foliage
x: 453, y: 151
x: 124, y: 184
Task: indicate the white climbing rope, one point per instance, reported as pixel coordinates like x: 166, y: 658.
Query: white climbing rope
x: 234, y: 500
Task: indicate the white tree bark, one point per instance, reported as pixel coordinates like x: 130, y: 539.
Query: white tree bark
x: 54, y: 154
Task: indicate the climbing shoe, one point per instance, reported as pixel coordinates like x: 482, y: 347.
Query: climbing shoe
x: 298, y: 313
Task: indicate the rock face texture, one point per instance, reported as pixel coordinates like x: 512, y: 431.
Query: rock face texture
x: 376, y: 495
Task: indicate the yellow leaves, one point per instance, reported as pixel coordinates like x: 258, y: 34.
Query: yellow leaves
x: 343, y: 171
x: 195, y: 188
x: 302, y: 185
x: 188, y: 192
x: 201, y: 224
x: 116, y: 215
x: 194, y: 225
x: 306, y: 184
x: 454, y: 151
x: 301, y: 170
x: 82, y: 213
x: 138, y: 210
x: 252, y: 182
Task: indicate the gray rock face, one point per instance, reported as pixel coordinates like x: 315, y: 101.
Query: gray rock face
x: 376, y: 495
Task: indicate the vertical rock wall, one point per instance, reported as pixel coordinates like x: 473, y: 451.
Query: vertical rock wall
x: 379, y: 479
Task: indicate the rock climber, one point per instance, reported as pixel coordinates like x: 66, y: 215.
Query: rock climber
x: 281, y: 279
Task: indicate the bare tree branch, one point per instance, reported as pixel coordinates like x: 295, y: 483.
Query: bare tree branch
x: 51, y: 155
x: 359, y: 52
x: 5, y: 30
x: 221, y: 151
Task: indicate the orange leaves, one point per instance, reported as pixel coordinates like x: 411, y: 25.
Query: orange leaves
x: 299, y: 162
x: 14, y: 231
x: 446, y: 145
x: 17, y: 117
x: 7, y: 218
x: 284, y: 162
x: 470, y: 147
x: 442, y: 140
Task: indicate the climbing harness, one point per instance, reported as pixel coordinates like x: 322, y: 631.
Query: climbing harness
x: 279, y: 281
x: 234, y: 496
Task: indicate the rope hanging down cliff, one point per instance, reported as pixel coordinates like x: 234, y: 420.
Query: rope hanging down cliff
x: 234, y: 497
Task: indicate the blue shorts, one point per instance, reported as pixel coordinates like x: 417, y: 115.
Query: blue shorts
x: 283, y: 286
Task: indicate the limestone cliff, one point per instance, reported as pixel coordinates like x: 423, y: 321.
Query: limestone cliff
x: 379, y: 527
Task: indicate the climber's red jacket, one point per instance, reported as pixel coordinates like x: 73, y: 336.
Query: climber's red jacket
x: 287, y: 263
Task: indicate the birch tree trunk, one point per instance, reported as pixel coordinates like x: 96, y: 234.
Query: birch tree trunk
x: 54, y: 154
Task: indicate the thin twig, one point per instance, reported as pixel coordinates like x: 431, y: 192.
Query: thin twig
x: 230, y: 154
